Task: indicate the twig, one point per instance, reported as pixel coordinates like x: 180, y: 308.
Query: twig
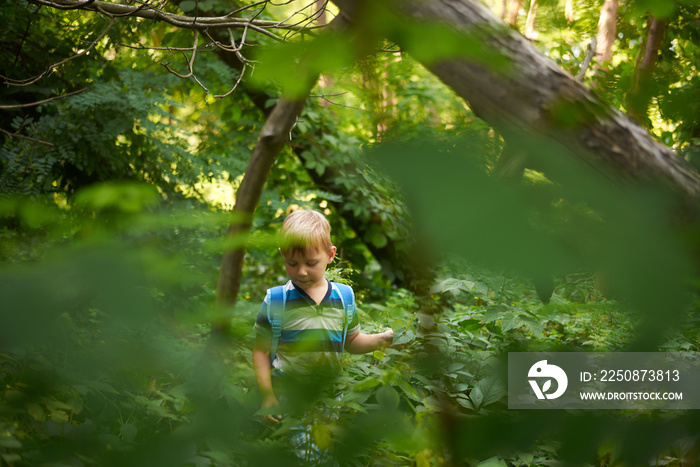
x: 146, y: 47
x: 587, y: 61
x: 149, y: 11
x: 247, y: 7
x: 325, y: 98
x: 190, y: 66
x: 32, y: 104
x: 235, y: 86
x: 28, y: 81
x: 15, y: 135
x: 190, y: 62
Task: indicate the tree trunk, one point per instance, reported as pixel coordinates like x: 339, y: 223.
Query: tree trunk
x: 607, y: 31
x: 514, y: 12
x: 530, y: 32
x: 273, y: 136
x: 638, y: 98
x: 400, y: 259
x: 570, y: 11
x: 530, y: 99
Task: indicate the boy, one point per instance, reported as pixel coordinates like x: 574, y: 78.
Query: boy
x: 313, y: 312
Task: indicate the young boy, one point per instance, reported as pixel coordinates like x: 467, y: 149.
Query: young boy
x: 313, y: 311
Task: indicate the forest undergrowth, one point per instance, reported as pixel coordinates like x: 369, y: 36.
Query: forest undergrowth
x: 108, y: 359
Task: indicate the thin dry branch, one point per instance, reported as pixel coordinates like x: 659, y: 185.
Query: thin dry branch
x: 232, y: 48
x: 149, y: 11
x: 587, y: 60
x: 18, y: 136
x: 235, y: 86
x: 33, y: 104
x: 190, y: 66
x: 148, y: 47
x: 190, y: 62
x: 28, y: 81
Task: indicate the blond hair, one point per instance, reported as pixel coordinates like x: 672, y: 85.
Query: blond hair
x: 303, y: 229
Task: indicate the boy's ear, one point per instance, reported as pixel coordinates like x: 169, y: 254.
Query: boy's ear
x: 331, y: 253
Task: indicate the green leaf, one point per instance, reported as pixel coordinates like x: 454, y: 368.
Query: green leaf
x: 493, y: 462
x: 491, y: 390
x: 408, y: 390
x: 188, y: 5
x: 10, y: 443
x: 511, y: 322
x: 477, y: 397
x: 465, y: 402
x: 659, y: 8
x: 452, y: 285
x: 387, y: 397
x: 321, y: 435
x: 492, y: 315
x: 404, y: 338
x: 471, y: 324
x: 128, y: 432
x: 36, y: 412
x: 296, y: 65
x: 368, y: 383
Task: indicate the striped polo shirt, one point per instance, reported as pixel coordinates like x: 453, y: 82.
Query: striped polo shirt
x: 311, y: 334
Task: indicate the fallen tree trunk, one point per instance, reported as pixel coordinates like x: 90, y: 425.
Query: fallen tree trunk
x: 533, y: 97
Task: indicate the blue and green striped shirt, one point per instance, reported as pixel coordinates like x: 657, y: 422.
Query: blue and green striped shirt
x: 311, y: 334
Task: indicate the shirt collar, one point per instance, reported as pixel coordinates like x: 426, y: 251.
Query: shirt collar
x: 303, y: 293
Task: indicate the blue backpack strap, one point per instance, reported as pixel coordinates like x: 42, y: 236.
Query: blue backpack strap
x: 276, y: 299
x: 347, y: 298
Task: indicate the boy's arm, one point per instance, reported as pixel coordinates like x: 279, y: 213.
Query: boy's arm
x: 263, y: 376
x: 364, y: 343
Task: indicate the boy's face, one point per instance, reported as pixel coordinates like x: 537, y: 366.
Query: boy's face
x: 307, y: 270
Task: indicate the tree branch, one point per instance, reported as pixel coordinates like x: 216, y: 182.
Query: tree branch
x: 530, y: 96
x: 15, y: 135
x: 147, y: 11
x: 274, y: 135
x: 29, y: 81
x: 587, y: 61
x: 33, y: 104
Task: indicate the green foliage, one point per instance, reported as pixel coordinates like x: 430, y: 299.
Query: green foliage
x: 109, y: 288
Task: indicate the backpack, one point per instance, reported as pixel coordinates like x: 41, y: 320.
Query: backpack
x: 276, y: 301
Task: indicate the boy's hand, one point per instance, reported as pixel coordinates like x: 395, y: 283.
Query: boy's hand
x: 270, y: 420
x: 385, y: 339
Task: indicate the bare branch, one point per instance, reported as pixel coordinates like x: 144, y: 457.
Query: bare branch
x: 32, y: 104
x: 17, y: 136
x: 325, y: 97
x: 247, y: 7
x: 28, y: 81
x: 587, y: 61
x: 149, y: 11
x: 221, y: 45
x: 76, y: 6
x: 190, y: 66
x: 190, y: 62
x: 235, y: 86
x: 146, y: 47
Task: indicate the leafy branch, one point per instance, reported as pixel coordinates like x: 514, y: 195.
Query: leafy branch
x: 26, y: 138
x: 45, y: 101
x: 153, y: 11
x: 50, y: 68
